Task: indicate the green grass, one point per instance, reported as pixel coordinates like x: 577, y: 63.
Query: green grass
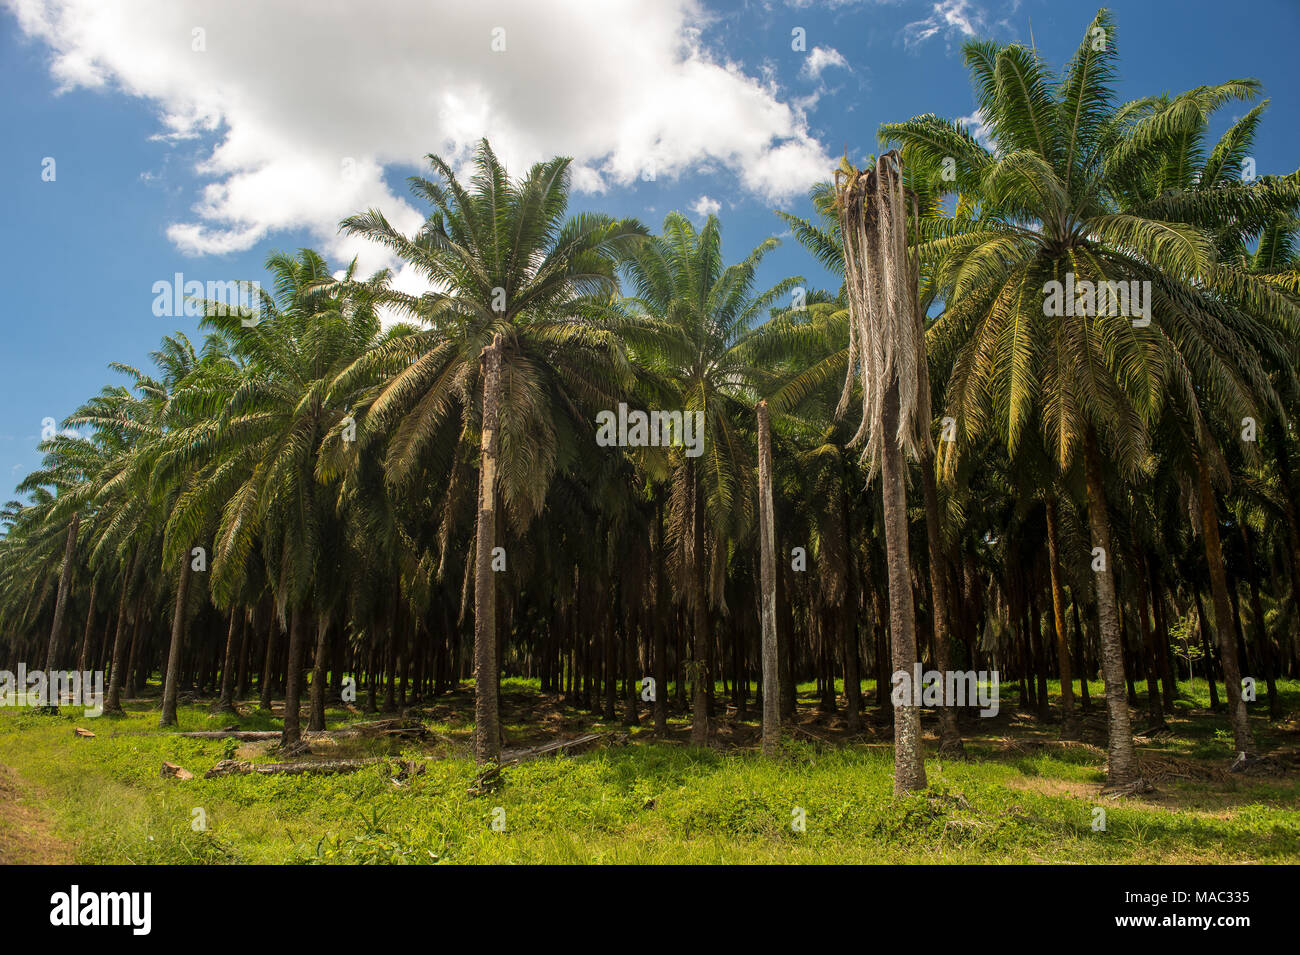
x: 1020, y: 797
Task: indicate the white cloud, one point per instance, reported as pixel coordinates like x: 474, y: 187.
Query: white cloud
x: 704, y: 207
x: 951, y: 18
x: 821, y: 58
x: 306, y: 104
x: 979, y: 128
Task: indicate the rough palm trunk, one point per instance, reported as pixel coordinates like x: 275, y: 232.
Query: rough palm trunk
x: 1261, y: 630
x: 61, y: 602
x: 700, y: 732
x: 631, y: 717
x: 849, y: 622
x: 949, y: 735
x: 487, y: 730
x: 1203, y: 627
x: 131, y: 676
x: 85, y: 636
x: 767, y: 557
x: 662, y: 607
x: 887, y: 349
x: 1069, y: 721
x: 241, y: 688
x: 1080, y: 651
x: 319, y: 669
x: 1121, y: 766
x: 1222, y: 616
x: 268, y: 663
x: 292, y: 734
x: 113, y: 704
x: 227, y: 702
x: 1155, y: 713
x: 1162, y: 639
x: 909, y: 759
x: 171, y: 685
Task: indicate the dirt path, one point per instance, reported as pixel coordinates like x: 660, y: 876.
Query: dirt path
x: 26, y: 837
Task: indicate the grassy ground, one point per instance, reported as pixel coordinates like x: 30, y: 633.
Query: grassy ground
x: 1020, y: 796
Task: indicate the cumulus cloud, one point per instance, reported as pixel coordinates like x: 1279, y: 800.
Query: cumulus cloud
x: 821, y: 58
x: 704, y: 207
x: 305, y: 107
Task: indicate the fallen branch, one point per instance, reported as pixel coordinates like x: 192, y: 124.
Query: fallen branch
x: 327, y: 767
x: 401, y: 729
x: 1137, y: 787
x: 551, y: 749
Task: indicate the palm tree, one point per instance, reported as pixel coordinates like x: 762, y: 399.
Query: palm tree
x: 504, y: 259
x: 1051, y: 200
x: 885, y: 349
x: 823, y: 238
x: 693, y: 337
x: 126, y: 421
x: 274, y: 419
x: 1181, y: 175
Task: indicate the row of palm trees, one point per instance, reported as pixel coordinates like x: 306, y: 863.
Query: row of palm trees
x: 389, y: 494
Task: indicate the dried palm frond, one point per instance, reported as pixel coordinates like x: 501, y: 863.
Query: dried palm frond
x: 885, y: 327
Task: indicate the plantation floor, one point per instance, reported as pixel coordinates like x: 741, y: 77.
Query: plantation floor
x: 1020, y: 795
x: 26, y: 835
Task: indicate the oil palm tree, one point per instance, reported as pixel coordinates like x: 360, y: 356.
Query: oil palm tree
x: 263, y: 426
x: 1051, y: 204
x: 693, y: 333
x: 504, y: 258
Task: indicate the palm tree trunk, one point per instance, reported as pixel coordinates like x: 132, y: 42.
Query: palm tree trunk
x: 700, y: 733
x: 1069, y: 722
x: 662, y: 607
x: 1121, y: 767
x: 292, y: 734
x: 319, y: 670
x: 849, y: 621
x: 1261, y: 630
x: 1223, y: 615
x: 268, y: 663
x: 784, y: 651
x: 767, y: 556
x: 1202, y: 625
x: 1167, y: 682
x: 1155, y: 712
x: 487, y: 729
x: 909, y: 758
x: 131, y: 677
x: 631, y: 633
x: 171, y: 684
x: 85, y: 635
x: 113, y: 704
x: 61, y: 602
x: 949, y: 735
x: 227, y: 702
x: 241, y: 687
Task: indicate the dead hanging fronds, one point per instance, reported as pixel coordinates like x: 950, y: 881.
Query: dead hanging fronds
x: 885, y: 326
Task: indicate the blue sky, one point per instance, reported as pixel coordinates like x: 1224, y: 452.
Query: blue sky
x: 195, y: 137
